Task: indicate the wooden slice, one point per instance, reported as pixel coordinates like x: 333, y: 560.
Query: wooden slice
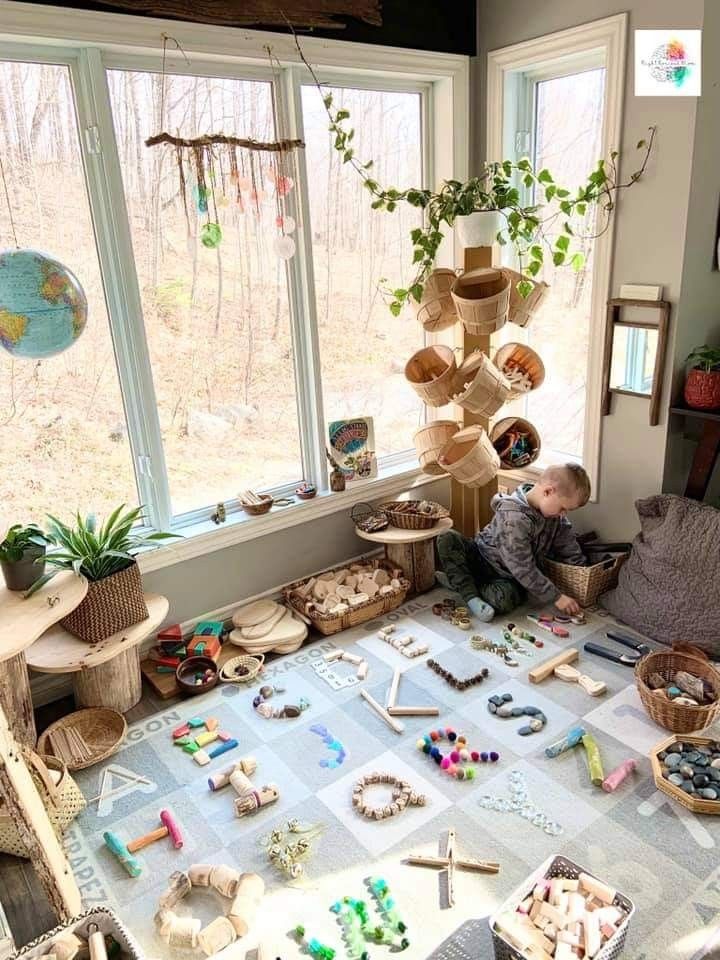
x: 264, y: 628
x: 254, y: 613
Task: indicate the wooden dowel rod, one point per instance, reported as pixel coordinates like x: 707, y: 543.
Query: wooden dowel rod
x: 394, y: 686
x: 414, y: 711
x: 482, y: 866
x: 111, y: 793
x: 382, y: 712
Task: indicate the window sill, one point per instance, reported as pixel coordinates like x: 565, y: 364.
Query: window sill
x: 205, y: 537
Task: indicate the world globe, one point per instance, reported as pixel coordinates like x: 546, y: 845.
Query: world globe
x: 43, y: 308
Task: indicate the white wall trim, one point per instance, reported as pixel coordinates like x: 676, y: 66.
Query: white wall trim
x: 609, y: 37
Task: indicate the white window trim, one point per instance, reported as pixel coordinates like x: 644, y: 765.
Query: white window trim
x: 89, y: 43
x: 609, y: 37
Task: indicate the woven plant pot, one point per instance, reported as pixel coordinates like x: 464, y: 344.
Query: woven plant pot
x: 523, y: 309
x: 524, y: 357
x: 437, y: 310
x: 428, y: 442
x: 431, y: 373
x: 515, y: 423
x: 487, y: 389
x: 702, y: 390
x: 482, y: 299
x: 470, y: 457
x: 110, y: 605
x: 673, y: 716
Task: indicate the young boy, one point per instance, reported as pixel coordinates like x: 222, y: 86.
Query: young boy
x: 493, y: 572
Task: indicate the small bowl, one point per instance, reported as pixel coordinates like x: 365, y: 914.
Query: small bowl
x: 185, y: 675
x: 256, y: 509
x: 306, y: 493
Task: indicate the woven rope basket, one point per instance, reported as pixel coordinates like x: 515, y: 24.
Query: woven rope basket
x: 431, y: 372
x: 672, y: 716
x: 509, y: 423
x: 470, y: 457
x: 110, y: 605
x: 482, y: 299
x: 584, y: 584
x: 428, y: 442
x: 523, y: 309
x: 525, y: 357
x: 102, y: 730
x: 437, y: 311
x: 487, y: 389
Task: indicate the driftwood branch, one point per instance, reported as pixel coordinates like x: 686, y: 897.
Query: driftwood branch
x: 274, y: 146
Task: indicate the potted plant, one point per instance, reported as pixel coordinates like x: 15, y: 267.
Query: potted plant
x: 702, y: 386
x: 105, y: 555
x: 21, y: 552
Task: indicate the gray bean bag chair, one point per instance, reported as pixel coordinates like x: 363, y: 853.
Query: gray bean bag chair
x: 669, y: 587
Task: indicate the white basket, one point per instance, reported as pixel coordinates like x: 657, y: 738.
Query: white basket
x: 107, y: 921
x: 558, y: 866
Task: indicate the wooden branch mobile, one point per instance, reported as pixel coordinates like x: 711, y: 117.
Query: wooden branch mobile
x: 212, y: 139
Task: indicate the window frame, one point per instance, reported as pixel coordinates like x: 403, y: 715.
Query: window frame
x: 79, y: 40
x: 568, y: 51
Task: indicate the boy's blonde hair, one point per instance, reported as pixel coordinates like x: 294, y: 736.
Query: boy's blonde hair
x: 569, y: 478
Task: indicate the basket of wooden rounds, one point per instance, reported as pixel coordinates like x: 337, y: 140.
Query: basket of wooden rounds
x: 369, y: 519
x: 255, y: 504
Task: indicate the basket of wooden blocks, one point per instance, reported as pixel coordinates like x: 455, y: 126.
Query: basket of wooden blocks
x: 557, y: 909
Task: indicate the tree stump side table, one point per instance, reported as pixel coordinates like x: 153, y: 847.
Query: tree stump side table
x: 411, y: 550
x: 106, y: 673
x: 21, y: 623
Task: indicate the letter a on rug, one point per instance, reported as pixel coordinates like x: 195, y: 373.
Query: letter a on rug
x: 117, y: 782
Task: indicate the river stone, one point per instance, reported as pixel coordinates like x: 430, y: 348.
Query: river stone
x: 687, y: 771
x: 702, y: 761
x: 709, y: 794
x: 662, y: 754
x: 536, y: 724
x: 525, y: 731
x: 676, y: 779
x: 492, y: 708
x: 687, y: 786
x: 701, y: 780
x: 517, y: 712
x: 692, y: 757
x: 715, y: 763
x: 497, y: 700
x: 532, y: 711
x: 713, y: 773
x: 507, y: 697
x: 504, y: 711
x: 672, y: 760
x: 675, y: 748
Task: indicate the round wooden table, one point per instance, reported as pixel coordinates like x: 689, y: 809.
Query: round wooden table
x: 411, y: 550
x: 21, y: 623
x: 106, y: 673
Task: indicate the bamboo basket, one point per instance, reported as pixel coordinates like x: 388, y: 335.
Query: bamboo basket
x: 243, y: 669
x: 99, y: 729
x: 689, y: 800
x: 584, y: 584
x: 488, y: 389
x: 523, y: 309
x: 406, y: 515
x: 508, y: 423
x: 524, y: 357
x: 329, y: 624
x: 437, y: 311
x: 428, y: 441
x: 431, y: 372
x: 672, y: 716
x: 482, y: 299
x: 470, y: 457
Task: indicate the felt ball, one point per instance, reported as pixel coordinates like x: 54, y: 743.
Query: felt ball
x: 420, y: 744
x: 451, y: 735
x: 494, y: 757
x: 452, y: 770
x: 426, y: 748
x: 437, y: 757
x: 470, y: 773
x: 460, y: 773
x: 484, y: 757
x: 435, y: 752
x: 461, y: 740
x: 455, y: 756
x: 475, y: 755
x: 445, y: 763
x: 434, y: 735
x: 464, y: 754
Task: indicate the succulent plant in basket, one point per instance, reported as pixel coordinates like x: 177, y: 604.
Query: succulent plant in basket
x: 702, y: 386
x: 105, y: 555
x: 22, y: 552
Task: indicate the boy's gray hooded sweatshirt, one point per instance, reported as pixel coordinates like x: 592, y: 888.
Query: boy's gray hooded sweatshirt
x: 519, y: 535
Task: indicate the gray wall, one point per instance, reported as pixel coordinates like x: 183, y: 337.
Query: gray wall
x: 650, y: 221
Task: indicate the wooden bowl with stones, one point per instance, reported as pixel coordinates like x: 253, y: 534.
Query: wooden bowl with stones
x: 694, y: 776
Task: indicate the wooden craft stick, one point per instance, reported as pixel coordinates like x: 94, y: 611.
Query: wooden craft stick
x: 481, y: 866
x: 545, y: 669
x: 450, y: 855
x: 393, y: 692
x: 111, y: 793
x: 414, y: 711
x: 382, y: 712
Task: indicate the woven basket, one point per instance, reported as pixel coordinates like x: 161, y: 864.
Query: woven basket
x: 257, y: 509
x: 406, y: 515
x: 584, y: 584
x: 437, y: 310
x: 62, y: 800
x: 523, y: 309
x: 369, y: 519
x: 558, y: 866
x: 470, y: 457
x: 107, y: 922
x: 526, y: 358
x: 243, y: 669
x: 431, y: 372
x: 428, y: 441
x: 674, y: 717
x: 103, y: 731
x: 515, y: 423
x: 482, y: 299
x: 487, y: 390
x: 329, y: 624
x: 110, y: 605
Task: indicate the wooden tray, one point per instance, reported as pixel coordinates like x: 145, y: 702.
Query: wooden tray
x: 696, y: 804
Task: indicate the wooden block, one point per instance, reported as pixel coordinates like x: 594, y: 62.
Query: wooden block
x: 538, y: 674
x: 597, y: 888
x: 541, y: 890
x: 563, y: 951
x: 558, y: 919
x: 535, y: 908
x: 576, y: 907
x: 171, y: 632
x: 591, y: 927
x: 382, y: 712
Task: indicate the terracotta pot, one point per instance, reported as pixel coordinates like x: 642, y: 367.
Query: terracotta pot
x: 702, y: 390
x: 22, y: 574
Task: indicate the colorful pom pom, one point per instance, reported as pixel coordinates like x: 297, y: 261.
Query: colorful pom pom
x: 494, y: 757
x: 434, y: 735
x: 445, y: 763
x: 455, y: 756
x: 420, y: 744
x: 484, y: 756
x: 475, y: 755
x: 470, y: 773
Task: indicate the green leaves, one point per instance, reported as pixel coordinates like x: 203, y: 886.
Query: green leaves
x: 577, y: 261
x: 524, y: 288
x: 544, y: 176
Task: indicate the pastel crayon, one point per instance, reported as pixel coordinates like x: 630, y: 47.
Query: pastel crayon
x: 222, y: 748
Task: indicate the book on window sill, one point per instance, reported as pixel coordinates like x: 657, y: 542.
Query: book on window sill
x: 352, y: 447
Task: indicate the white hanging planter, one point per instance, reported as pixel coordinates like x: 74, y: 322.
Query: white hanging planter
x: 478, y: 229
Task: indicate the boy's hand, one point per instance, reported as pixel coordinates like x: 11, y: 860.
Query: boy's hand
x: 567, y: 605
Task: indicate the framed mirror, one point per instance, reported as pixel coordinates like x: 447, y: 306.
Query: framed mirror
x: 634, y: 357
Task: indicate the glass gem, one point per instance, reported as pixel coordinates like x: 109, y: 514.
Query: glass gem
x: 211, y: 235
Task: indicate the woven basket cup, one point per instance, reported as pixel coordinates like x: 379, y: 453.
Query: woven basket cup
x: 431, y: 372
x: 242, y: 669
x: 428, y: 442
x: 405, y: 514
x: 674, y: 717
x: 584, y: 584
x: 110, y: 605
x: 526, y: 358
x: 437, y: 311
x: 482, y: 299
x: 102, y: 729
x: 523, y: 309
x: 510, y: 423
x: 470, y: 457
x: 487, y: 390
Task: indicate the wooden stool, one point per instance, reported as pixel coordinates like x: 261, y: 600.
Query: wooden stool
x: 411, y: 550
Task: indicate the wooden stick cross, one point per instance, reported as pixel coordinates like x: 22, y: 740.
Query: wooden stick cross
x: 447, y: 861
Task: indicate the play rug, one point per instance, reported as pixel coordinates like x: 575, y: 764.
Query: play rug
x: 661, y: 856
